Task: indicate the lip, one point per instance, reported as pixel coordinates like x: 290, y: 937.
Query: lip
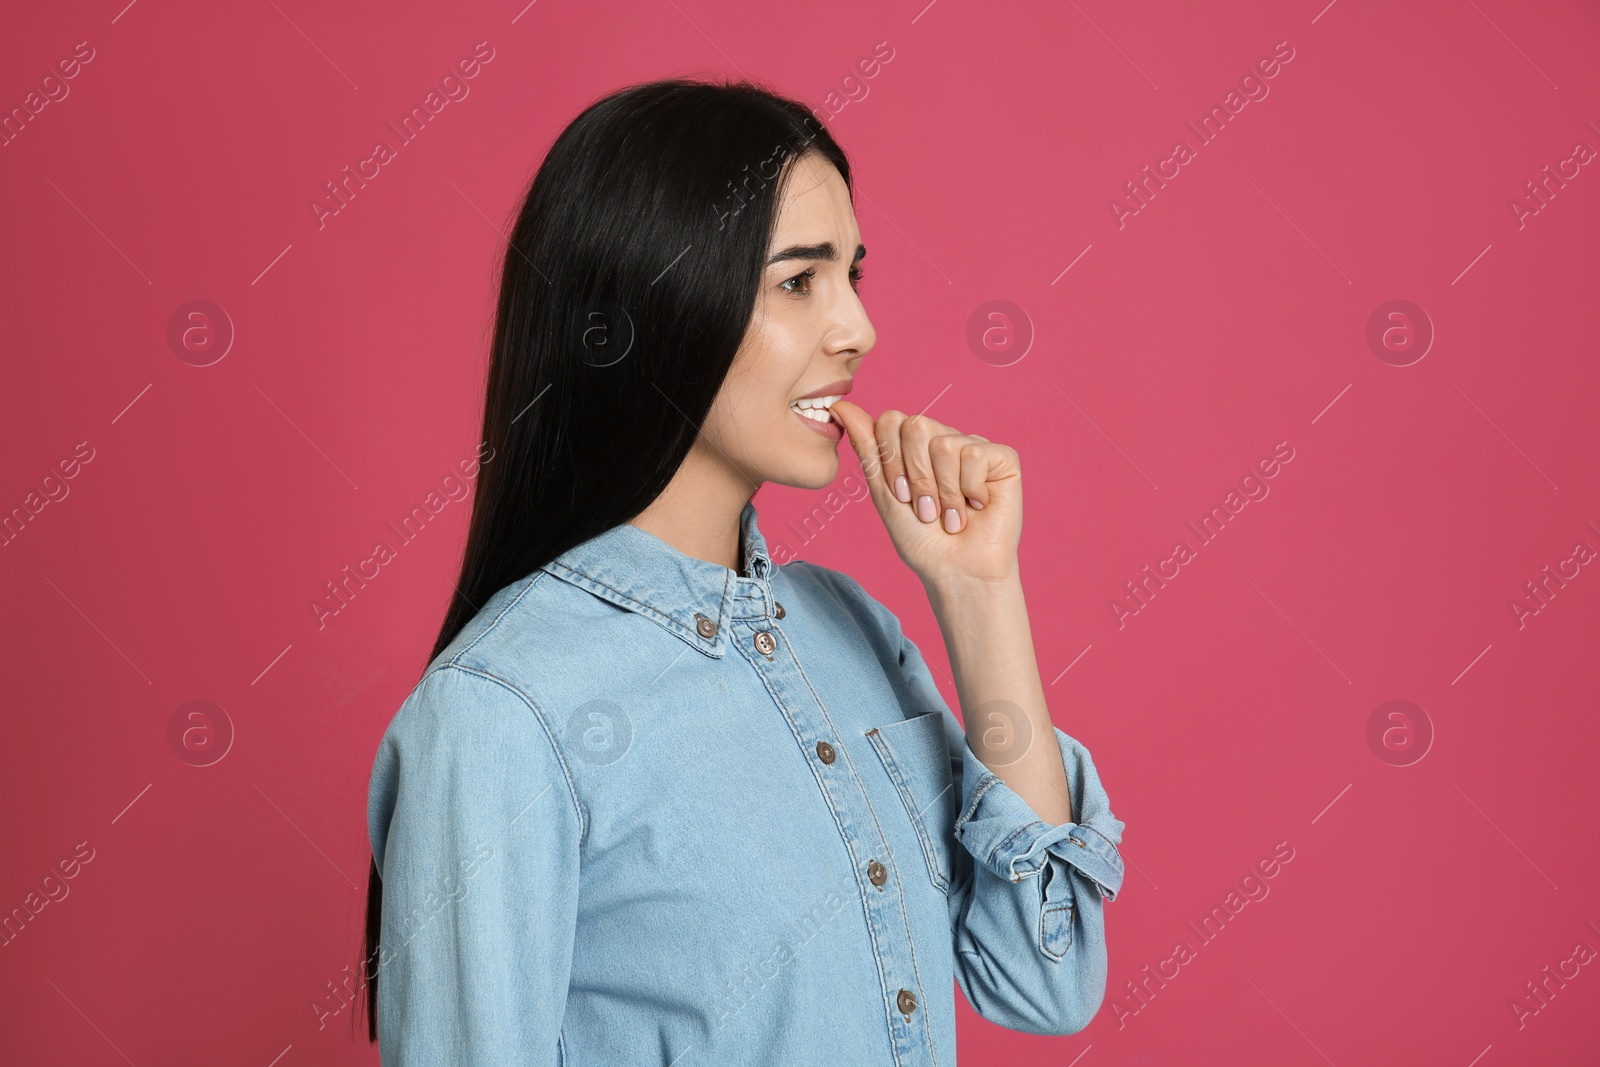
x: 838, y: 388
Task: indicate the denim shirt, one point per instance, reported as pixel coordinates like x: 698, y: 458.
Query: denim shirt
x: 648, y: 810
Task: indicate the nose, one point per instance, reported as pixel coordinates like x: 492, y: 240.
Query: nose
x: 852, y: 333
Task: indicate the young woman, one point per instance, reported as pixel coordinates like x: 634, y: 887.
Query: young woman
x: 658, y: 799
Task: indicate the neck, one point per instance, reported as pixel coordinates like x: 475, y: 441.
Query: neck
x: 698, y: 512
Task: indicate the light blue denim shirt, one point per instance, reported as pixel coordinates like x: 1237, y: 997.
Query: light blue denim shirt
x: 647, y: 810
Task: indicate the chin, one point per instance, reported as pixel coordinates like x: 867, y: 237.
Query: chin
x: 818, y: 473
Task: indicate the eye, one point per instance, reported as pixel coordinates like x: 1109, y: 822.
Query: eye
x: 856, y: 274
x: 806, y: 276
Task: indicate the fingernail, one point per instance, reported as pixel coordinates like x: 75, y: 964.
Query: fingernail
x: 952, y: 520
x: 974, y: 505
x: 902, y: 490
x: 927, y: 510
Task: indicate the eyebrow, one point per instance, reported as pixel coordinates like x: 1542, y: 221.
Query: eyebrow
x: 826, y: 250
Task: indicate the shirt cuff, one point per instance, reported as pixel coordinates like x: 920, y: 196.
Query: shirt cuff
x: 1002, y: 832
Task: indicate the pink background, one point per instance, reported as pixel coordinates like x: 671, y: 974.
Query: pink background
x: 1228, y: 314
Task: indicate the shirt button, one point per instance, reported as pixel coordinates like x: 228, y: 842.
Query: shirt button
x: 877, y: 873
x: 824, y: 752
x: 1077, y: 842
x: 906, y: 1001
x: 707, y: 627
x: 765, y: 643
x: 779, y: 612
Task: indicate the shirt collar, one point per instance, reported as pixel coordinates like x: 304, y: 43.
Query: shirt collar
x: 694, y: 599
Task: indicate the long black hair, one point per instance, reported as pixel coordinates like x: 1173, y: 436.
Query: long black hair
x: 628, y: 283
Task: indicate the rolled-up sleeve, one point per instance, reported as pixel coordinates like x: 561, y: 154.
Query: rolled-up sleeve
x: 475, y: 829
x: 1026, y: 898
x: 1029, y: 923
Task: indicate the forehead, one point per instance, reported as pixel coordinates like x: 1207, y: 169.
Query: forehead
x: 815, y: 206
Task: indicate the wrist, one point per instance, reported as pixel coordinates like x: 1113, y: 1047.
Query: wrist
x: 959, y: 588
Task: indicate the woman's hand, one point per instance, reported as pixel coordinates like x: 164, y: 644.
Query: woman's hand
x: 958, y: 512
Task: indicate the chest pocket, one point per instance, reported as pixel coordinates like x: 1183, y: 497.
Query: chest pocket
x: 917, y: 759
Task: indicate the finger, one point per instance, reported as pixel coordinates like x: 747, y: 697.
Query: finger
x: 891, y: 456
x: 858, y: 426
x: 977, y: 460
x: 947, y: 452
x: 916, y: 433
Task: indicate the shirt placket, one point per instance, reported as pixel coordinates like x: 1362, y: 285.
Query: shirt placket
x: 754, y: 630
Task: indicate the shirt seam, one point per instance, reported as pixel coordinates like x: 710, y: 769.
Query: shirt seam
x: 539, y: 717
x: 455, y: 660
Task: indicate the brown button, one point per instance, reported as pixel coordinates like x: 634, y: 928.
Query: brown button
x: 1077, y: 842
x: 877, y: 873
x: 707, y: 627
x: 765, y: 643
x: 907, y: 1002
x: 779, y: 612
x: 824, y: 752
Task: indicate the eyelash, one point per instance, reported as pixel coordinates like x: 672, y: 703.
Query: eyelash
x: 856, y: 274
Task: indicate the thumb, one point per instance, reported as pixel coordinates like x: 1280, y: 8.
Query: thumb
x: 858, y: 426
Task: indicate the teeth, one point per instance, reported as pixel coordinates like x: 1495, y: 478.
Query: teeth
x: 814, y: 408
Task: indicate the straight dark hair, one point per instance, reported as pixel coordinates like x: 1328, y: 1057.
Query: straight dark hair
x: 627, y: 286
